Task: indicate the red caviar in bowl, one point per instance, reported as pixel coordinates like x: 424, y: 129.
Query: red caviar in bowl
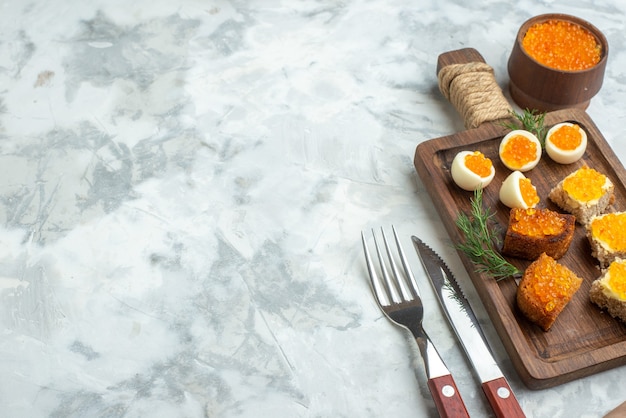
x: 562, y: 45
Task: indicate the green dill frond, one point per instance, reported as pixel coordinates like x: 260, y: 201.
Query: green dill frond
x: 531, y: 121
x: 481, y: 239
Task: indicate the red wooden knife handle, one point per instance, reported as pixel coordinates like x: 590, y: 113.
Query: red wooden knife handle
x: 447, y: 397
x: 502, y: 400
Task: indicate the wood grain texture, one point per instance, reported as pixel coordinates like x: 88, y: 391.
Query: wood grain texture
x: 447, y: 397
x: 584, y: 340
x: 502, y: 399
x: 536, y: 86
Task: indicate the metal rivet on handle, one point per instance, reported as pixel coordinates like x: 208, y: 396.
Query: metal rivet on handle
x: 503, y: 392
x: 447, y: 391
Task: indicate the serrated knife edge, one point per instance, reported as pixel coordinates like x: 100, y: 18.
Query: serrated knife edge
x: 467, y: 329
x: 458, y: 312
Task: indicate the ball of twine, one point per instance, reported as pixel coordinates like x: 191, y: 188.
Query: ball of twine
x: 473, y: 91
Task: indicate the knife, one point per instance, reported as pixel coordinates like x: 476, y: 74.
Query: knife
x: 468, y: 331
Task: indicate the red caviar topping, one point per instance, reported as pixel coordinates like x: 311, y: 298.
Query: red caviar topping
x: 585, y: 185
x: 550, y: 281
x: 567, y: 137
x: 562, y: 45
x: 529, y: 192
x: 617, y: 278
x: 537, y: 222
x: 519, y: 151
x: 611, y: 229
x: 479, y: 164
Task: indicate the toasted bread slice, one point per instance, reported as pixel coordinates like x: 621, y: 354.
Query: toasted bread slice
x: 531, y: 232
x: 545, y: 289
x: 609, y: 290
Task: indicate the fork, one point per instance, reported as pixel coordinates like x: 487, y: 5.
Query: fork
x: 399, y: 299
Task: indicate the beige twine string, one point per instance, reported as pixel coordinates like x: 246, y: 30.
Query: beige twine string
x: 473, y: 91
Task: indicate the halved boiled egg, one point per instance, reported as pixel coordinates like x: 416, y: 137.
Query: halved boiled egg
x: 566, y: 142
x: 520, y: 150
x: 517, y: 191
x: 471, y: 170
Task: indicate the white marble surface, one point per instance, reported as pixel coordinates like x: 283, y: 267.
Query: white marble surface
x: 182, y: 189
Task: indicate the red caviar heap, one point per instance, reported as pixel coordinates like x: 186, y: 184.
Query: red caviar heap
x: 617, y: 278
x: 550, y: 282
x: 567, y: 137
x: 586, y: 185
x: 536, y: 222
x: 519, y: 151
x: 529, y: 192
x: 562, y: 45
x: 610, y: 229
x: 478, y: 164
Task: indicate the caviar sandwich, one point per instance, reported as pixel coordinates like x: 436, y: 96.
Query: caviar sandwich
x: 609, y: 290
x: 531, y: 232
x: 607, y: 236
x: 545, y: 289
x: 585, y: 193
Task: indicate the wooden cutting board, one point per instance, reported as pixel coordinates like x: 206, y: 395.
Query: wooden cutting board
x: 584, y: 340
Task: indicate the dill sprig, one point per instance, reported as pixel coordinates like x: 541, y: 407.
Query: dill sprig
x: 531, y: 121
x: 481, y: 239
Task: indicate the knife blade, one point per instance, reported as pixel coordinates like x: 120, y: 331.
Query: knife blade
x: 467, y: 329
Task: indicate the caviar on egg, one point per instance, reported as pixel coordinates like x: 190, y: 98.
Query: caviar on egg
x: 517, y: 191
x: 471, y: 170
x: 520, y: 150
x: 566, y: 142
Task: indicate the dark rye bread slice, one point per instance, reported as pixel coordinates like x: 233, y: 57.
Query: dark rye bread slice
x: 545, y: 289
x: 530, y: 247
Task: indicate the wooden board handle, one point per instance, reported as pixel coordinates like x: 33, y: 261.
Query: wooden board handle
x: 502, y: 400
x: 469, y: 84
x: 447, y: 397
x: 460, y: 56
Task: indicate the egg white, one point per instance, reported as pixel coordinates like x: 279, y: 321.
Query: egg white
x: 466, y: 178
x: 528, y: 166
x: 510, y: 192
x: 562, y: 156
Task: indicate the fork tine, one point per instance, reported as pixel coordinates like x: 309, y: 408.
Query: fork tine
x: 390, y: 282
x: 381, y: 295
x: 407, y: 269
x: 409, y: 313
x: 399, y: 280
